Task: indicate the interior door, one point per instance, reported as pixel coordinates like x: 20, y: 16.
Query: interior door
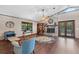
x: 67, y: 28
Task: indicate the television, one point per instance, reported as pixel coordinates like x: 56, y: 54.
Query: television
x: 50, y: 30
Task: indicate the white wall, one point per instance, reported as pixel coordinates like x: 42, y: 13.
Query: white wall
x: 17, y: 26
x: 70, y: 16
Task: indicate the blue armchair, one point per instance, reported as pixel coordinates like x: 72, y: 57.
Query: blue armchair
x: 27, y: 47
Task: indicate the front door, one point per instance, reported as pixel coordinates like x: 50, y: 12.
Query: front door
x: 67, y: 28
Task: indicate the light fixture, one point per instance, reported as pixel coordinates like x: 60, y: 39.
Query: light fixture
x: 43, y: 15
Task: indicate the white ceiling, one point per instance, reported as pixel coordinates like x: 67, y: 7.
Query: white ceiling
x: 32, y: 12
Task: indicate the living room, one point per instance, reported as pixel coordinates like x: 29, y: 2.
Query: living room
x: 54, y: 29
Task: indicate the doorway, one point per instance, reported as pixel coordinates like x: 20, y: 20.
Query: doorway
x: 66, y: 28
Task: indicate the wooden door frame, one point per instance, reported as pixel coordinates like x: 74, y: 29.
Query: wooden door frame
x: 65, y: 28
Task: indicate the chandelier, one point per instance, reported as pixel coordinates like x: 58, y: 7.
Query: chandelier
x: 47, y: 18
x: 43, y: 16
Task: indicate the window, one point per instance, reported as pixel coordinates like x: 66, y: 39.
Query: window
x: 71, y: 9
x: 27, y: 27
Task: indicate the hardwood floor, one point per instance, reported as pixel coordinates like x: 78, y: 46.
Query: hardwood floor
x: 61, y: 46
x: 6, y: 47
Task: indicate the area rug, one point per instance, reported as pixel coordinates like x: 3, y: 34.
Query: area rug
x: 44, y: 39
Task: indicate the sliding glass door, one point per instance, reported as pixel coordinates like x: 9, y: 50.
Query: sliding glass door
x: 66, y: 29
x: 62, y: 29
x: 70, y: 29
